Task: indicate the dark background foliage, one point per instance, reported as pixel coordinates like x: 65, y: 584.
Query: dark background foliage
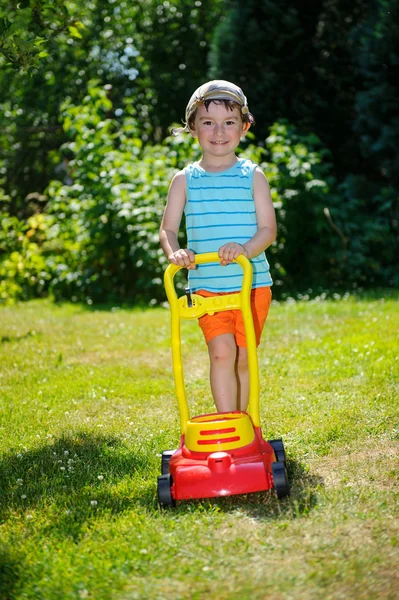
x: 89, y: 91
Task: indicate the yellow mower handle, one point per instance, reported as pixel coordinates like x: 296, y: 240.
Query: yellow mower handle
x: 181, y: 310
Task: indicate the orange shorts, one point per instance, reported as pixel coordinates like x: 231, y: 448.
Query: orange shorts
x: 231, y: 321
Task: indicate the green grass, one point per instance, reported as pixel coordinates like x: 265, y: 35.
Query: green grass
x: 87, y: 405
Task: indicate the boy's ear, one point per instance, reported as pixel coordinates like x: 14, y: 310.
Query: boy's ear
x: 193, y: 133
x: 245, y: 128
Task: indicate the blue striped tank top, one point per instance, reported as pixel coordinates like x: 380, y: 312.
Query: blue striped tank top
x: 220, y: 208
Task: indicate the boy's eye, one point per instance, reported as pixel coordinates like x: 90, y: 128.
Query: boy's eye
x: 210, y: 123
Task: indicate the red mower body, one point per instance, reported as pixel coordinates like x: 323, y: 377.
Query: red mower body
x: 222, y: 473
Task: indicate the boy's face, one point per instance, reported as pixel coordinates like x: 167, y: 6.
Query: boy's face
x: 218, y: 129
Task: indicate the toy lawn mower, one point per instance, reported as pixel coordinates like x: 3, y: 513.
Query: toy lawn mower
x: 220, y: 454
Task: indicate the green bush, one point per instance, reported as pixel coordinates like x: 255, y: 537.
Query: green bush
x: 105, y: 225
x: 24, y: 272
x: 367, y: 217
x: 299, y: 172
x: 329, y: 234
x: 97, y: 239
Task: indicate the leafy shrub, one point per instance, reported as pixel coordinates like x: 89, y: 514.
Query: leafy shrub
x: 105, y: 225
x: 329, y: 234
x: 97, y: 239
x: 23, y: 270
x: 367, y: 217
x: 299, y: 172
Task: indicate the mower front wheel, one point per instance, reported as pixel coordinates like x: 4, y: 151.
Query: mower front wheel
x: 165, y: 497
x: 280, y: 480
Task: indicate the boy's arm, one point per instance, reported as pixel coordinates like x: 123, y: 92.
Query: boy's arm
x: 266, y: 218
x: 170, y: 224
x: 265, y: 215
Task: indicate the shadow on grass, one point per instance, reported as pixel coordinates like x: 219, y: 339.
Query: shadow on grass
x: 59, y: 489
x: 264, y: 505
x: 72, y: 478
x: 77, y: 479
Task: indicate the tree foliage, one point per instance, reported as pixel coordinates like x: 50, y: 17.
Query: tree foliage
x: 151, y: 53
x: 376, y: 101
x: 295, y: 62
x: 330, y: 68
x: 28, y: 28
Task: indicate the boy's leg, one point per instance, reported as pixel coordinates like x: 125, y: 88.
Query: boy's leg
x: 223, y: 354
x: 260, y: 302
x: 242, y: 374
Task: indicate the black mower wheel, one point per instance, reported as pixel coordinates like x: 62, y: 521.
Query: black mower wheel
x: 280, y: 480
x: 279, y: 451
x: 166, y: 456
x: 165, y: 498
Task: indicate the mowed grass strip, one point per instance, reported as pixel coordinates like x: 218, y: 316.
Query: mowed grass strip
x: 87, y: 405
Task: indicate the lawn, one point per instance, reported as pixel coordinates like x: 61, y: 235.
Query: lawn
x: 87, y: 406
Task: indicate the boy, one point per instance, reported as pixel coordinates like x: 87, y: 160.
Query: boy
x: 228, y: 209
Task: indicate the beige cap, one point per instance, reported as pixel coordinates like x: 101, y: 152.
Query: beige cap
x: 217, y: 89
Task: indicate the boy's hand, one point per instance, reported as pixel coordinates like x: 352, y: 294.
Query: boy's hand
x: 183, y: 257
x: 230, y: 251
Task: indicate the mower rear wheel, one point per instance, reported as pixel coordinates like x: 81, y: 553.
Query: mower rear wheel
x: 166, y: 456
x: 280, y: 480
x: 279, y: 451
x: 165, y: 498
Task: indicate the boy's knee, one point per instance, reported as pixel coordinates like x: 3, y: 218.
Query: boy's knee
x: 222, y: 351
